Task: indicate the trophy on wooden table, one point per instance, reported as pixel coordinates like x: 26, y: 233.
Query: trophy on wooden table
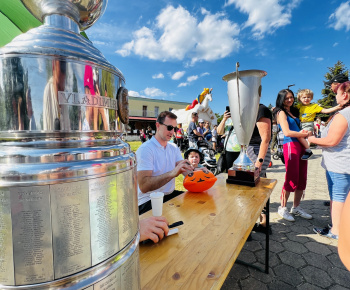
x: 244, y: 92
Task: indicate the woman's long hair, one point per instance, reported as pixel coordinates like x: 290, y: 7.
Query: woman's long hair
x: 279, y: 104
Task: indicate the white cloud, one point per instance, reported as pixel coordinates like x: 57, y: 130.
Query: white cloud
x: 135, y: 94
x: 341, y: 17
x: 307, y: 47
x: 158, y: 76
x: 265, y: 17
x: 178, y: 75
x: 313, y: 58
x: 335, y: 44
x: 101, y: 32
x: 101, y: 43
x: 154, y: 92
x: 209, y: 38
x: 125, y: 51
x: 192, y: 78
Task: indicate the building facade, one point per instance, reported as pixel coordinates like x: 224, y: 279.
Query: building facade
x: 143, y: 112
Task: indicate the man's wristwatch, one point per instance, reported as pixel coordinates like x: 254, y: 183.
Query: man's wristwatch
x: 261, y: 160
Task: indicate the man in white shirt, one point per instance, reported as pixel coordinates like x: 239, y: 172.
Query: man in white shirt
x: 159, y: 162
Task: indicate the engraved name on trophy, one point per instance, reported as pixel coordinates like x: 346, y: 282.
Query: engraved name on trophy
x: 68, y: 196
x: 244, y: 92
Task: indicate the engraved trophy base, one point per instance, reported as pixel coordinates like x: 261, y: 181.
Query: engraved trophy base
x: 249, y: 178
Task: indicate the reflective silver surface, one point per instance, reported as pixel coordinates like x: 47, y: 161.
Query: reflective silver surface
x: 53, y: 95
x: 129, y: 273
x: 90, y: 278
x: 85, y: 12
x: 31, y: 228
x: 127, y: 204
x: 68, y: 211
x: 244, y: 92
x: 7, y: 271
x: 104, y: 217
x: 70, y: 227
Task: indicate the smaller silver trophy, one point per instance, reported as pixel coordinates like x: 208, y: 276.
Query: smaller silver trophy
x: 244, y: 92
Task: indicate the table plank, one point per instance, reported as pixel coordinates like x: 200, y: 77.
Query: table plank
x: 216, y: 226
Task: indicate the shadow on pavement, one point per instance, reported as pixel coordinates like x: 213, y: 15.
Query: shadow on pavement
x: 299, y: 258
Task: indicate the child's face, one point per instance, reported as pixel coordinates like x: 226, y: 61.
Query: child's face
x: 305, y: 99
x: 193, y: 158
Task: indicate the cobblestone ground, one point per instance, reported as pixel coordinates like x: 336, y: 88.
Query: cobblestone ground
x: 299, y: 259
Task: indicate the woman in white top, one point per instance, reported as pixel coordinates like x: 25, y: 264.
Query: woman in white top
x: 335, y: 142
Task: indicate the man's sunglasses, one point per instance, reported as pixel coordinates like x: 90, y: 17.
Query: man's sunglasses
x: 168, y: 127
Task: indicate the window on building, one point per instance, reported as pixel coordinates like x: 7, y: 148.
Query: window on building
x: 156, y: 111
x: 144, y: 111
x: 170, y: 109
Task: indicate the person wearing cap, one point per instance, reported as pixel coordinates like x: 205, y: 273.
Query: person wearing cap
x: 192, y: 132
x: 200, y: 127
x: 334, y: 82
x: 159, y: 162
x: 194, y: 156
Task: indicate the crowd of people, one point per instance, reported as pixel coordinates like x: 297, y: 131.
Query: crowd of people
x: 160, y: 161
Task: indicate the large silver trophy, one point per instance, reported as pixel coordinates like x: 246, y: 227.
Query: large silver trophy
x: 244, y: 92
x: 68, y: 193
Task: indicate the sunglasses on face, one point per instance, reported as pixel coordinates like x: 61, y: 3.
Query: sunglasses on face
x: 169, y: 127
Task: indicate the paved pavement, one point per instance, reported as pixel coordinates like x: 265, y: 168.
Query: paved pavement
x: 299, y: 259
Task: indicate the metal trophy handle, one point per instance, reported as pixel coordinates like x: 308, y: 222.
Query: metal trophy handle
x: 239, y: 102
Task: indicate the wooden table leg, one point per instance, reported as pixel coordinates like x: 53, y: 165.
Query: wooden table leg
x: 267, y: 235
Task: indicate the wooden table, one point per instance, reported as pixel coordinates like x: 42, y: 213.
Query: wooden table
x: 216, y: 226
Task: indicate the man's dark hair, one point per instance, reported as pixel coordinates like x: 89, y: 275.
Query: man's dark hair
x: 194, y: 114
x: 164, y: 114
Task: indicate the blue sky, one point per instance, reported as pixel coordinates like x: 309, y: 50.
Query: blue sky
x: 173, y: 49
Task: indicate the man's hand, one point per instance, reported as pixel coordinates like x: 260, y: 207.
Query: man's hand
x: 183, y: 167
x: 153, y: 228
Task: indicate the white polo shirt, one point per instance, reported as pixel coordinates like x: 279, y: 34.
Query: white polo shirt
x: 153, y: 156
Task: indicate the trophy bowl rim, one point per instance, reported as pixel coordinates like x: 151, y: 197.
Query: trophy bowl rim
x: 35, y: 7
x: 245, y: 73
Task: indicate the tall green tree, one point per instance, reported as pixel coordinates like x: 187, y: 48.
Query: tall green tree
x: 219, y: 117
x: 328, y: 95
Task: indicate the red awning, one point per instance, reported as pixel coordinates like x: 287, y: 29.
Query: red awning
x: 142, y: 118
